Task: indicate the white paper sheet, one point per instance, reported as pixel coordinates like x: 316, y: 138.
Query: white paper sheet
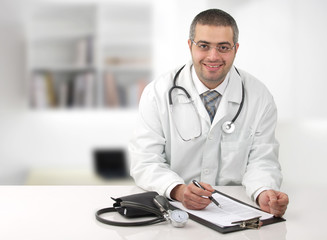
x: 229, y: 212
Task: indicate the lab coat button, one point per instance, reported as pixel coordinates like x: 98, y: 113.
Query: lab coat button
x: 206, y: 171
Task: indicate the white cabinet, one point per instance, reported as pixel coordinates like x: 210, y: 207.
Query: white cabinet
x: 88, y: 55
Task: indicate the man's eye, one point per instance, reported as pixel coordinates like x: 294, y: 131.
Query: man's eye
x: 203, y: 46
x: 224, y: 48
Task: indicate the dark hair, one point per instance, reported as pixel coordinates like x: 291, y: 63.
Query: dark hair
x: 214, y: 17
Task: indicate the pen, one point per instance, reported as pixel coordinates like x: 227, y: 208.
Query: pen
x: 196, y: 183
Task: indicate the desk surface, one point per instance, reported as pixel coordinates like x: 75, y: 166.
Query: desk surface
x: 67, y: 212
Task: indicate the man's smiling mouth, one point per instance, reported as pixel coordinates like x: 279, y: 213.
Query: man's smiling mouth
x: 212, y: 65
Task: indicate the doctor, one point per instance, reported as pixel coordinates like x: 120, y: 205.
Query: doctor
x: 228, y: 141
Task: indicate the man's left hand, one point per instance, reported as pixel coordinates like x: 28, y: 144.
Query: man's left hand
x: 273, y: 202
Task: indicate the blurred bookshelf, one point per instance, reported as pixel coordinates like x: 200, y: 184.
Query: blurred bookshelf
x: 88, y: 55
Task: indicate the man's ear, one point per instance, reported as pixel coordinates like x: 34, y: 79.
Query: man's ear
x: 236, y: 47
x: 189, y: 44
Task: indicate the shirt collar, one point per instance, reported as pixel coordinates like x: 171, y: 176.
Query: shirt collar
x: 201, y: 88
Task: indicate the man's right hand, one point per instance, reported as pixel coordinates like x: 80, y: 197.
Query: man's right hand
x: 191, y: 196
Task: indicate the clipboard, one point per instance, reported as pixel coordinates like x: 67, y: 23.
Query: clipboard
x: 240, y: 225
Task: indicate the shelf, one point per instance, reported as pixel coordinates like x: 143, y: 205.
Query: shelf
x: 69, y: 43
x: 62, y: 68
x: 109, y: 41
x: 128, y: 68
x: 60, y: 37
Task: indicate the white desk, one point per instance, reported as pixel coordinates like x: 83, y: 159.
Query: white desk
x: 67, y: 212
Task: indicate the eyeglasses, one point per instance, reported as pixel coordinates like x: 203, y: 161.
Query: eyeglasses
x: 205, y: 47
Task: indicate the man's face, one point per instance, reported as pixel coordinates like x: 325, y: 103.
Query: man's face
x: 212, y: 66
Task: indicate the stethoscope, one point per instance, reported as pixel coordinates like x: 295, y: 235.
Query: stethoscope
x: 228, y: 126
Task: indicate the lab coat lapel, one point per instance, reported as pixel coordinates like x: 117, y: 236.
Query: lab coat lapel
x: 186, y: 81
x: 232, y: 95
x: 229, y: 102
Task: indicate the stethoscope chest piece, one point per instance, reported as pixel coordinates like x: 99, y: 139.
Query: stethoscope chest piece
x: 228, y: 127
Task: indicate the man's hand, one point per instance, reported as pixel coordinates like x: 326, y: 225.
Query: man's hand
x: 191, y: 196
x: 273, y: 202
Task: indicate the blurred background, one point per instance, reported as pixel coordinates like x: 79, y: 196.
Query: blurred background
x: 71, y: 73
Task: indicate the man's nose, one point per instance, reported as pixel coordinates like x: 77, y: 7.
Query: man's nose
x: 214, y: 54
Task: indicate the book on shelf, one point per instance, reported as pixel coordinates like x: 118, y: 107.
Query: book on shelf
x: 127, y: 61
x: 83, y: 88
x: 63, y: 94
x: 42, y: 91
x: 111, y: 90
x: 75, y: 91
x: 84, y: 51
x: 122, y: 94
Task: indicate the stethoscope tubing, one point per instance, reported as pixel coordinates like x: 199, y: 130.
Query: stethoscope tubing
x: 228, y: 126
x: 175, y: 86
x: 242, y: 101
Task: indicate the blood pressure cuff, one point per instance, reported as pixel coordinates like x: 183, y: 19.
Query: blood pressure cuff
x: 137, y: 205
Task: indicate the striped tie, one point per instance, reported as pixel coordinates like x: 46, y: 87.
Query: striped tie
x: 210, y: 98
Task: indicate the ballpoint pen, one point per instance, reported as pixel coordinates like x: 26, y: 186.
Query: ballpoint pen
x: 196, y: 183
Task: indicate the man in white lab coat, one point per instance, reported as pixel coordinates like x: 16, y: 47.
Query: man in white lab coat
x: 180, y: 138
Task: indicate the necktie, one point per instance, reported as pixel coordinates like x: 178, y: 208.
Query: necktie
x: 210, y: 99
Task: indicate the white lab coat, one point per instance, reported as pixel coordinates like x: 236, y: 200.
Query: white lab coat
x: 248, y: 156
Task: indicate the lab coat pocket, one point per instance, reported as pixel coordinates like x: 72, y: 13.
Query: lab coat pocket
x: 234, y: 157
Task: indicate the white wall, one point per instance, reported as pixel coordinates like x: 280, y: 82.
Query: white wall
x: 281, y: 42
x: 171, y: 29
